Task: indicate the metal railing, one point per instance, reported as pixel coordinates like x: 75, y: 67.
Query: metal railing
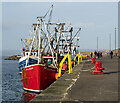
x: 69, y: 64
x: 80, y: 58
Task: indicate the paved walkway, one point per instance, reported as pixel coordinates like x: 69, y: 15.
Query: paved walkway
x: 97, y: 87
x: 81, y: 85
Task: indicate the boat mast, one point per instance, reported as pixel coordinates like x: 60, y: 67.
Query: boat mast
x: 39, y: 49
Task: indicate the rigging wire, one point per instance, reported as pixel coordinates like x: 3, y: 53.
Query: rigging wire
x: 76, y: 34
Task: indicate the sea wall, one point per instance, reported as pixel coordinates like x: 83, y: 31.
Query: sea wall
x: 14, y: 57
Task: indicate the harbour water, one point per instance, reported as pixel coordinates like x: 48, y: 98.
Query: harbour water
x: 12, y: 88
x: 11, y: 81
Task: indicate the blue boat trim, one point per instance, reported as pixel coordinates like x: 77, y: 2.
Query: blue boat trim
x: 22, y: 64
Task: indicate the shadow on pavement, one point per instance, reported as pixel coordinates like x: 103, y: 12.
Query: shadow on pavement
x: 111, y: 72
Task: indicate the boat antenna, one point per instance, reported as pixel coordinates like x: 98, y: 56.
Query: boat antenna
x: 23, y: 43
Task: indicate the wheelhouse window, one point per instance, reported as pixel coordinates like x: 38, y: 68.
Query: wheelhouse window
x: 26, y: 53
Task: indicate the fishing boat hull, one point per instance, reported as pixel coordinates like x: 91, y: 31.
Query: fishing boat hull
x: 37, y: 77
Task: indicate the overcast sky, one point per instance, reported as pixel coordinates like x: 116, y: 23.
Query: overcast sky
x: 95, y: 19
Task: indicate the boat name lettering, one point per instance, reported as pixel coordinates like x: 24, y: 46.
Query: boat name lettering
x: 45, y: 67
x: 30, y: 68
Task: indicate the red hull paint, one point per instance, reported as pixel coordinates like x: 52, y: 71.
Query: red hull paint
x: 38, y: 77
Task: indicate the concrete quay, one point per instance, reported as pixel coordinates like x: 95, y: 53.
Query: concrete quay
x: 82, y: 86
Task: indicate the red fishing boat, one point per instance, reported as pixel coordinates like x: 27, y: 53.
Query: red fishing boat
x: 38, y: 76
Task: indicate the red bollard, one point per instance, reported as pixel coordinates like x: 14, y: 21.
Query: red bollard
x: 92, y: 61
x: 72, y: 62
x: 98, y: 68
x: 64, y: 66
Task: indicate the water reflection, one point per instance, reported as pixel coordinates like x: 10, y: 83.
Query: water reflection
x: 27, y: 96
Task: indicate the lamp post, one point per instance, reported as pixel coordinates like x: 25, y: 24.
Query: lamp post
x: 110, y: 42
x: 115, y: 41
x: 97, y: 43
